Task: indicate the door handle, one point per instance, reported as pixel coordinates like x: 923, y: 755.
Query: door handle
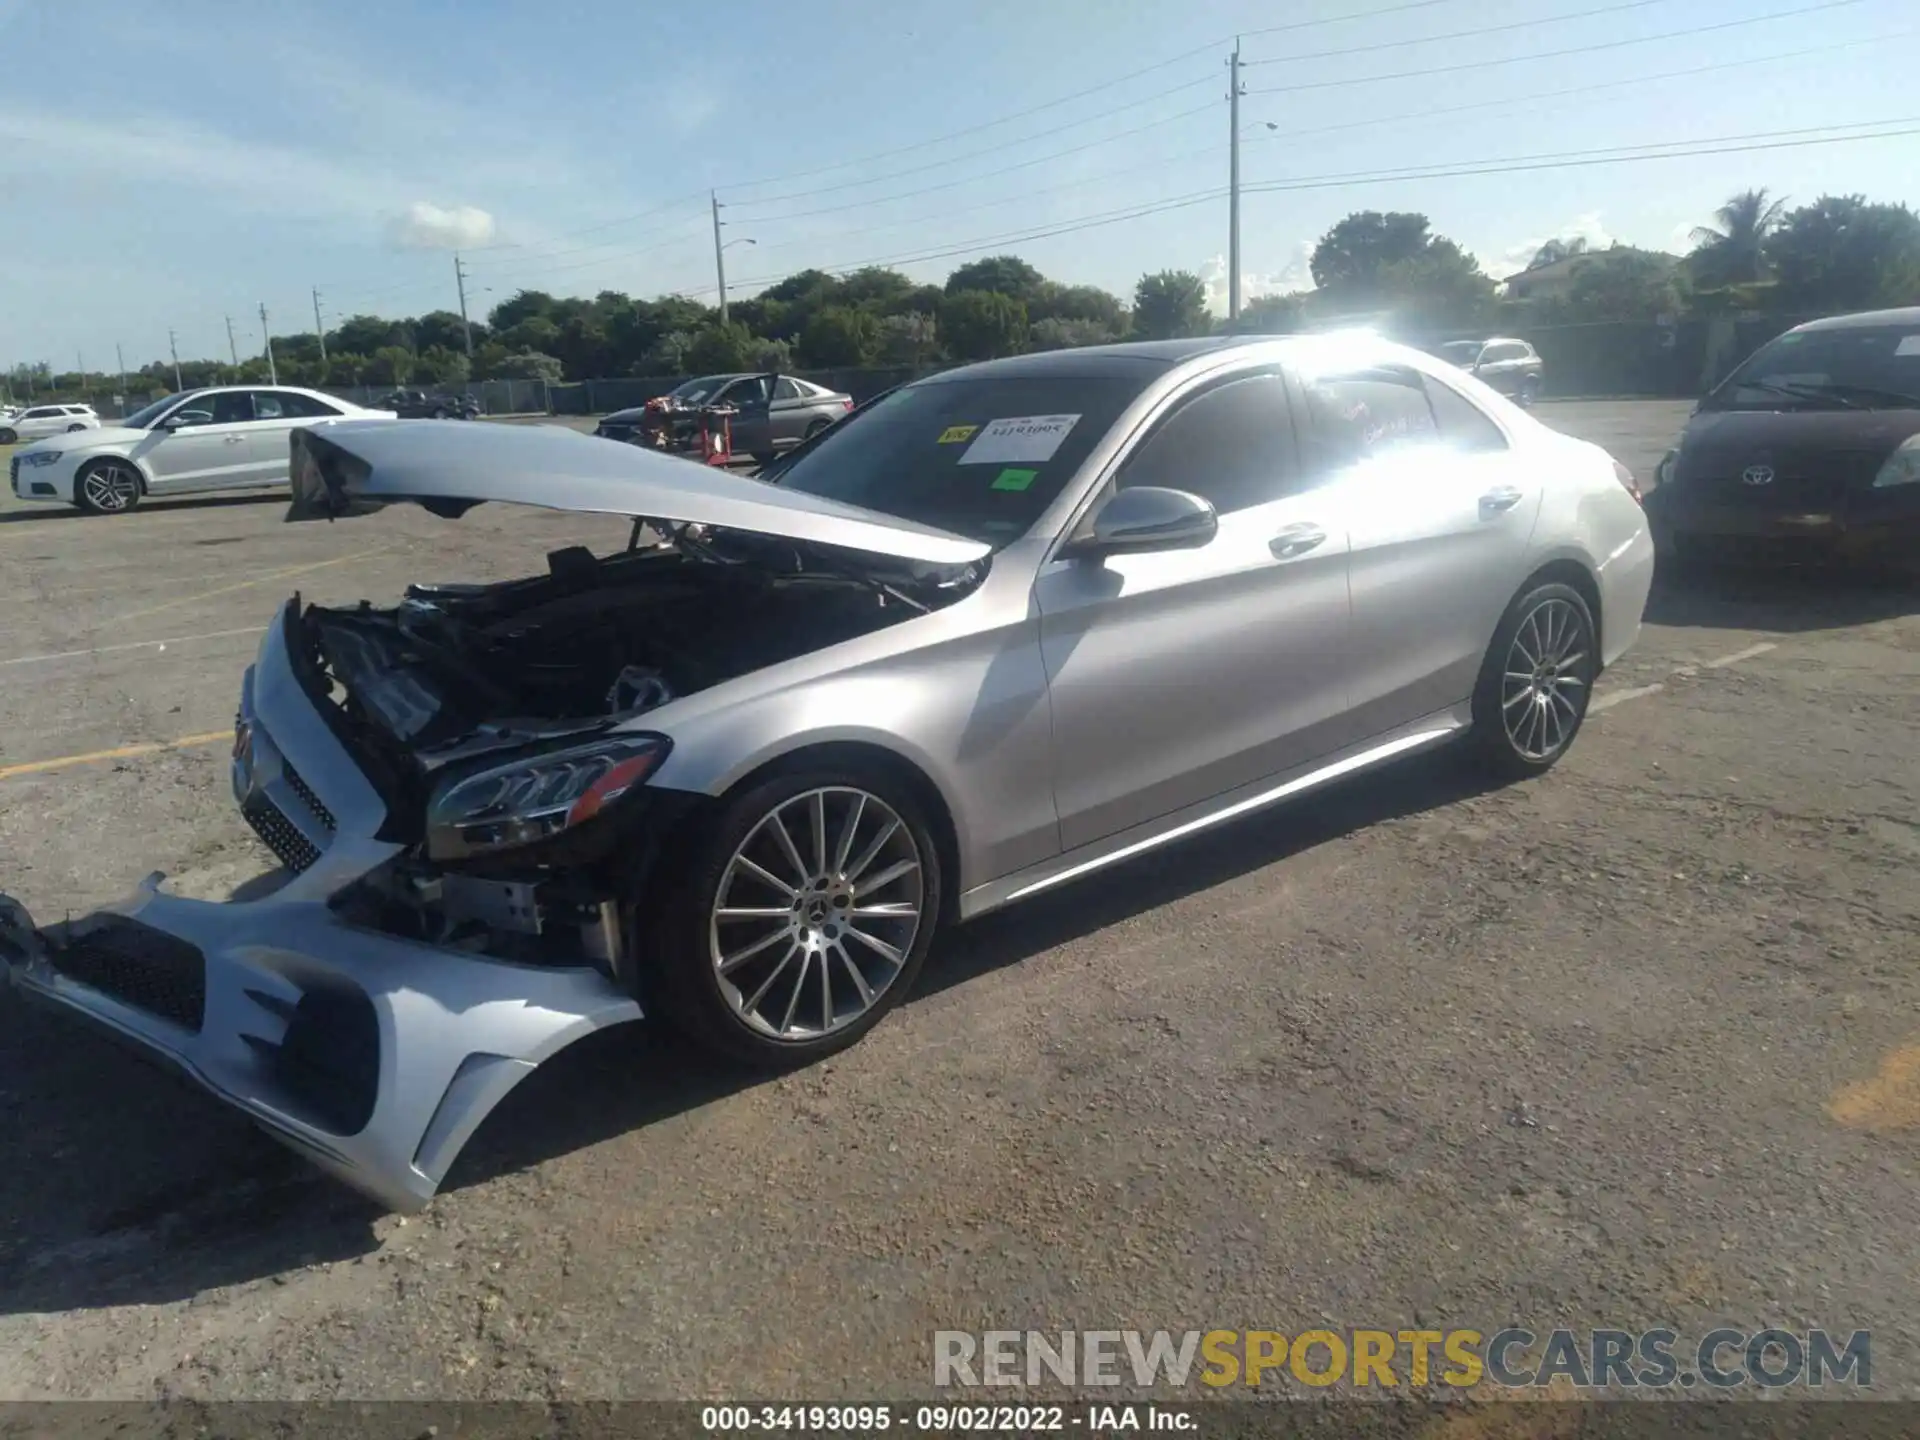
x: 1499, y: 500
x: 1295, y: 540
x: 235, y: 440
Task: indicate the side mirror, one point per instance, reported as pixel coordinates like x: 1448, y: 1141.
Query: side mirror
x: 1143, y: 520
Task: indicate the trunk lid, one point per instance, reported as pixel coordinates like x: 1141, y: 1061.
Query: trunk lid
x: 353, y: 467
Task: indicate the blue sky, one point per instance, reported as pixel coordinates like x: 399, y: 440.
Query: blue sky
x: 170, y: 165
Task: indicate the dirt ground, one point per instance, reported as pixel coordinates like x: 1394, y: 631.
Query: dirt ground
x: 1636, y: 1044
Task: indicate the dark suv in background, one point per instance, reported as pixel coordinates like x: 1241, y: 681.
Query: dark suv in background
x: 419, y: 405
x: 1513, y: 367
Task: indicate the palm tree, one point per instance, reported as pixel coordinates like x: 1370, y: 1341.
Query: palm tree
x: 1733, y: 252
x: 1555, y: 251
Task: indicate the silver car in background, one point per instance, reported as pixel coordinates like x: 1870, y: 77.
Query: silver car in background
x: 1007, y: 626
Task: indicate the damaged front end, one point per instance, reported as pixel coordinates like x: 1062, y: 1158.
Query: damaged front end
x: 461, y: 790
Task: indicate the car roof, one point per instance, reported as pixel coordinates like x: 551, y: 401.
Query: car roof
x: 1865, y: 319
x: 1150, y: 356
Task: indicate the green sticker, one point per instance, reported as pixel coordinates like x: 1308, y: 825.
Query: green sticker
x: 1014, y: 479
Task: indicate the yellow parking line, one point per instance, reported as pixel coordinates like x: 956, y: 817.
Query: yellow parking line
x: 125, y: 752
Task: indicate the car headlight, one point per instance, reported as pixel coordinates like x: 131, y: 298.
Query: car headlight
x: 32, y: 458
x: 1902, y: 467
x: 537, y: 796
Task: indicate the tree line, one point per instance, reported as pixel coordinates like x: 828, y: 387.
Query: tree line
x: 1387, y: 268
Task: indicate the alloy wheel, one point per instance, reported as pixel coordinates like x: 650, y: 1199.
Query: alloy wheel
x: 110, y: 488
x: 816, y: 913
x: 1542, y: 691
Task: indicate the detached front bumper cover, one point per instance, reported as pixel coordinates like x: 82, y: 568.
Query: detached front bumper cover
x: 374, y: 1056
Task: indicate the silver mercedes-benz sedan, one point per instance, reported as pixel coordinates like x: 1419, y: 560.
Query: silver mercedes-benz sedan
x: 1000, y: 628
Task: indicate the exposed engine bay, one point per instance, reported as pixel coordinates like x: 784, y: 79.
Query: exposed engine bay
x: 489, y: 715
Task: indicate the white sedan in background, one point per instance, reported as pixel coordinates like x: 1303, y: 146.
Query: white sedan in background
x: 38, y: 420
x: 224, y: 438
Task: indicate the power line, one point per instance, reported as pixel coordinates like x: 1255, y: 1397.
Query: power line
x: 1134, y: 170
x: 1568, y: 160
x: 1405, y: 5
x: 1554, y: 54
x: 1530, y: 24
x: 1564, y: 91
x: 998, y: 149
x: 1205, y: 109
x: 594, y: 229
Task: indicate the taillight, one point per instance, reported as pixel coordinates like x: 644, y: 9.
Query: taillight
x: 1625, y: 477
x: 846, y: 405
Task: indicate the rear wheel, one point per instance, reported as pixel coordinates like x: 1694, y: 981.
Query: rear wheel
x: 1529, y: 390
x: 107, y: 487
x: 1535, y: 682
x: 816, y: 427
x: 8, y: 437
x: 800, y: 916
x: 75, y: 429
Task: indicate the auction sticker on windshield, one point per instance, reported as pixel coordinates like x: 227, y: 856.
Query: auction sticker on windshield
x: 954, y: 434
x: 1909, y: 345
x: 1019, y: 440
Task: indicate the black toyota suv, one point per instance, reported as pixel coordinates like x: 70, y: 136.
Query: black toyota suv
x: 1808, y: 451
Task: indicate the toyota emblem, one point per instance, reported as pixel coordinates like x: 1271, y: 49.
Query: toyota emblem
x: 1757, y: 475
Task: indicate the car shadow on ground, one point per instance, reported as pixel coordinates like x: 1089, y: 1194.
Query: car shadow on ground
x: 53, y: 511
x: 1787, y: 600
x: 126, y: 1186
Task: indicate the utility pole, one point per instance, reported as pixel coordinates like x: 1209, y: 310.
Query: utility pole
x: 232, y: 348
x: 719, y: 260
x: 319, y: 329
x: 173, y: 348
x: 120, y: 356
x: 273, y: 375
x: 1234, y: 92
x: 460, y: 282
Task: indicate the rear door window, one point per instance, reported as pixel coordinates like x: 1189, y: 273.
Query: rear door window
x: 1463, y: 425
x: 1365, y: 414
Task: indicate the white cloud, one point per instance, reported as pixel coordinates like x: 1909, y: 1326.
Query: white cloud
x: 1296, y: 274
x: 1515, y: 257
x: 426, y: 226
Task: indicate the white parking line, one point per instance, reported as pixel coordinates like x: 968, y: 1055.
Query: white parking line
x: 1747, y: 654
x: 1620, y: 697
x: 131, y: 645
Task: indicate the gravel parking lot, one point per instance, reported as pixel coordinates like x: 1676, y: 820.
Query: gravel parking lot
x: 1636, y: 1044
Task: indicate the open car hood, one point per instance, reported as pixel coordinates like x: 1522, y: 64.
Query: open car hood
x: 352, y: 467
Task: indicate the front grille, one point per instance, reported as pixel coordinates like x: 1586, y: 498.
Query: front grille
x: 307, y: 797
x: 293, y: 849
x: 13, y: 473
x: 138, y: 966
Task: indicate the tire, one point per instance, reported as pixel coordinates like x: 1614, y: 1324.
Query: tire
x: 9, y: 437
x: 1529, y: 391
x: 1523, y: 726
x: 75, y: 429
x: 767, y: 1008
x: 440, y: 414
x: 107, y: 487
x: 815, y: 428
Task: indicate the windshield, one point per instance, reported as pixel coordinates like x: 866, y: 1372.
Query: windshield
x: 147, y: 414
x: 1460, y: 352
x: 980, y: 458
x: 695, y: 391
x: 1858, y: 367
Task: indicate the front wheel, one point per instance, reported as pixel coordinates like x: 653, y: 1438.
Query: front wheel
x: 8, y: 437
x: 1529, y: 391
x: 108, y: 487
x: 75, y: 429
x: 800, y: 917
x: 1535, y: 682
